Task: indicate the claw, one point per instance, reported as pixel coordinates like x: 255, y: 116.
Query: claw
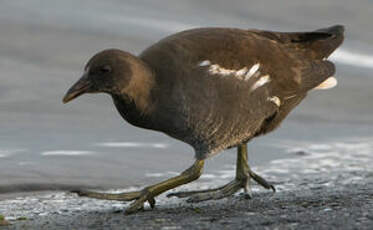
x: 273, y: 188
x: 247, y: 191
x: 171, y: 195
x: 152, y: 202
x: 138, y: 205
x: 135, y: 207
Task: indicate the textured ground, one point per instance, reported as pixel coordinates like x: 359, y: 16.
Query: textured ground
x: 321, y: 207
x: 322, y: 186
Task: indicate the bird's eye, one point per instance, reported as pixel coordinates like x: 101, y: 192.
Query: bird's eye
x: 105, y: 69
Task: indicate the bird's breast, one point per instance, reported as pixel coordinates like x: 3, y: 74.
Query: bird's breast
x: 129, y: 112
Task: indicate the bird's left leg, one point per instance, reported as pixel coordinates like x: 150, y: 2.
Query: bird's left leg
x: 242, y: 180
x: 148, y: 193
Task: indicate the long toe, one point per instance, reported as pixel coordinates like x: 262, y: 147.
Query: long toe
x: 215, y: 195
x: 211, y: 194
x: 128, y: 196
x: 190, y: 193
x: 261, y: 181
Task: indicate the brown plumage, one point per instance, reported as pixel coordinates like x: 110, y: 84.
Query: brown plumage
x: 213, y: 88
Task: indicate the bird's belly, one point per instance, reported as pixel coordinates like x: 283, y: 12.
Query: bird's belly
x: 218, y: 134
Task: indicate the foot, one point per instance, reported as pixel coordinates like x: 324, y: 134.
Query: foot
x: 140, y: 198
x: 214, y: 194
x: 226, y: 190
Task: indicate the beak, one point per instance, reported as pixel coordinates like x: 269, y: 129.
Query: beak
x: 82, y: 86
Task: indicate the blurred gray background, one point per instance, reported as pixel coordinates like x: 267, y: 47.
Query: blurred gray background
x: 45, y: 44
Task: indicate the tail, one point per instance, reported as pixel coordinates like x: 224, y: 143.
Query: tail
x: 323, y: 48
x: 318, y: 44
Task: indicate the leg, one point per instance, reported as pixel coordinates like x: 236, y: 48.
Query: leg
x: 242, y: 180
x: 148, y: 193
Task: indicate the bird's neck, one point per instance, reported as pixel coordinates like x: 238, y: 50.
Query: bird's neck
x: 139, y: 88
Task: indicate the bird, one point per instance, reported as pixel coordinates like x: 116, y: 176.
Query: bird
x: 213, y: 88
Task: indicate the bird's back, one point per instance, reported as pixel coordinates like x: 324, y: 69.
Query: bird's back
x: 219, y: 87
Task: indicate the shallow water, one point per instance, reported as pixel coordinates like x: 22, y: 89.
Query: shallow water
x: 44, y: 45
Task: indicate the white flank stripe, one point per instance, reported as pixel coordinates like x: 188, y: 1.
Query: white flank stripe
x: 66, y: 153
x: 328, y: 83
x: 216, y: 69
x: 252, y: 71
x: 262, y: 81
x: 275, y: 100
x: 205, y: 63
x: 241, y: 72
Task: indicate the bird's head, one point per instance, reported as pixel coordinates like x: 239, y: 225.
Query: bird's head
x: 109, y: 71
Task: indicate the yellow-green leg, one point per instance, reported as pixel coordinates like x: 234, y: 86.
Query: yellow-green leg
x: 242, y: 180
x: 148, y: 193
